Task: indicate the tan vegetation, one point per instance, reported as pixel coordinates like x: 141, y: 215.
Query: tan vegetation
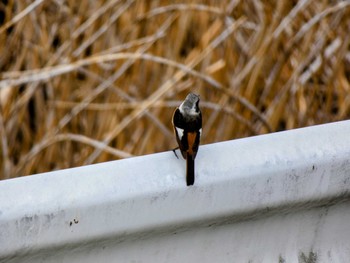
x: 90, y: 81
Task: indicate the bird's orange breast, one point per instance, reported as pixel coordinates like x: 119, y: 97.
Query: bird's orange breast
x: 191, y: 138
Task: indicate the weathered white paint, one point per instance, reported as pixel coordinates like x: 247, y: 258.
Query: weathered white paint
x: 282, y: 197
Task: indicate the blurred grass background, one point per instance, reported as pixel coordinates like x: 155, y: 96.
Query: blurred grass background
x: 91, y: 81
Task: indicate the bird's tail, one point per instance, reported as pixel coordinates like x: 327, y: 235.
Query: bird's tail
x: 189, y: 169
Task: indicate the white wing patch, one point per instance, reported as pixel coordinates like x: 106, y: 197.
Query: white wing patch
x: 180, y: 132
x: 200, y: 132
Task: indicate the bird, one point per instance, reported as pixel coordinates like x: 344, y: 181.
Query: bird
x: 187, y: 123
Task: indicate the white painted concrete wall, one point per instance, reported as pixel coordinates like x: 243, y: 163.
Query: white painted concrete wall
x: 282, y: 197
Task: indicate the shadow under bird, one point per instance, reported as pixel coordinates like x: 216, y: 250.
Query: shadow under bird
x: 187, y: 122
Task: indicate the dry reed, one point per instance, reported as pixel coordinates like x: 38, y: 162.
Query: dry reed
x: 90, y: 81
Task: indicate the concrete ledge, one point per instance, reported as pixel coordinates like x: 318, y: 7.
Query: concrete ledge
x: 140, y: 208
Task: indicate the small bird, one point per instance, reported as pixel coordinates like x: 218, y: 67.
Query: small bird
x: 187, y: 122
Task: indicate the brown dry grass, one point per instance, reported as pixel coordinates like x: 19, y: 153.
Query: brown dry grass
x: 90, y: 81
